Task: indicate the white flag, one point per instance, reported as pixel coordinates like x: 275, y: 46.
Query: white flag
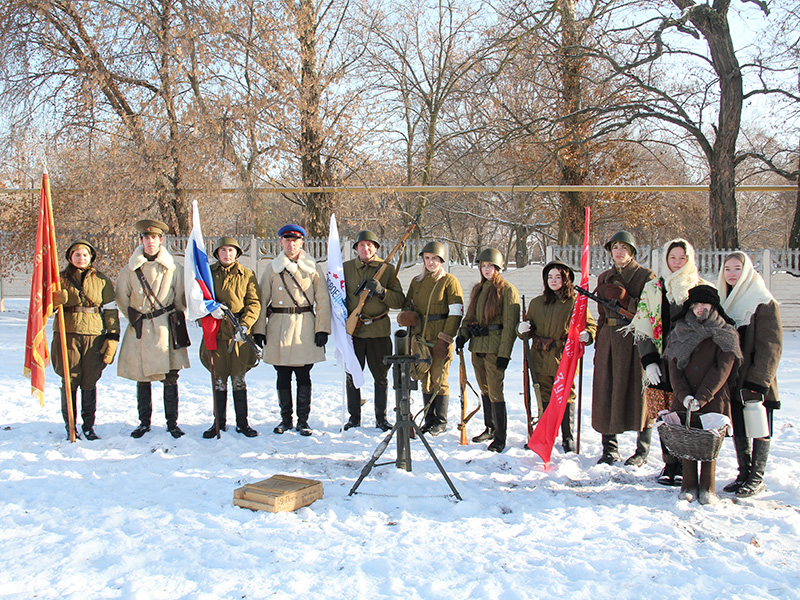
x: 345, y: 354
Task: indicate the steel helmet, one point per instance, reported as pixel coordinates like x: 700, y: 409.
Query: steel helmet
x: 365, y: 235
x: 81, y: 242
x: 491, y: 255
x: 622, y: 236
x: 436, y: 248
x: 227, y: 240
x: 564, y: 267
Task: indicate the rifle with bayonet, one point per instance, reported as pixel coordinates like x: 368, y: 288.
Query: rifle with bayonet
x: 528, y: 376
x: 463, y: 383
x: 363, y: 293
x: 241, y: 330
x: 625, y: 315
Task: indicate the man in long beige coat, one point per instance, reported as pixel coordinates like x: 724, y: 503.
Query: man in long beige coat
x: 149, y: 355
x: 294, y: 323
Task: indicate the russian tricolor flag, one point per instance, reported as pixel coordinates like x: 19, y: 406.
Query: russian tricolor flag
x: 200, y: 301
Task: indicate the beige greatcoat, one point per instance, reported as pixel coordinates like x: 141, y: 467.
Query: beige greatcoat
x: 290, y: 337
x: 151, y: 357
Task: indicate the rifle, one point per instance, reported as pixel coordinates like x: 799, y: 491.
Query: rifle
x: 463, y: 383
x: 625, y: 316
x: 528, y: 375
x: 363, y: 294
x: 241, y: 330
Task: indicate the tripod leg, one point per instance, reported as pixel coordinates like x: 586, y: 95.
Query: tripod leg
x: 375, y: 456
x: 436, y: 460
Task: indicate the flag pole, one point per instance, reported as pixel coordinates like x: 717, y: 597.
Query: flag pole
x: 60, y: 315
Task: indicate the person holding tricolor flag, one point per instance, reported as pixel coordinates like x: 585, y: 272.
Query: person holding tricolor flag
x: 149, y: 289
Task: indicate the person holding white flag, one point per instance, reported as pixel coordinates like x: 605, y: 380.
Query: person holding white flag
x: 372, y: 340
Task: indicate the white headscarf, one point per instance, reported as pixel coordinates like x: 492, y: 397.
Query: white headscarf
x: 679, y: 283
x: 742, y: 301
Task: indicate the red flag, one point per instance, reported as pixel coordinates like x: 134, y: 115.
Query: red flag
x: 544, y: 436
x: 45, y: 280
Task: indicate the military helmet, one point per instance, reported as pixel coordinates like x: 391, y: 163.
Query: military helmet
x: 564, y: 267
x: 622, y: 236
x: 81, y: 242
x: 227, y: 240
x: 436, y: 248
x: 366, y: 235
x: 491, y: 255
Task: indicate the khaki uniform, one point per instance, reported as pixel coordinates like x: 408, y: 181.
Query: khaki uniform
x: 236, y: 287
x: 441, y: 298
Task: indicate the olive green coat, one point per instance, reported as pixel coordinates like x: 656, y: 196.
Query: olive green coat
x: 151, y: 357
x: 552, y: 321
x: 236, y: 287
x: 355, y: 272
x: 499, y: 341
x: 100, y: 291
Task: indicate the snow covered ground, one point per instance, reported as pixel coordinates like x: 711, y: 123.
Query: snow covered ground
x: 153, y: 518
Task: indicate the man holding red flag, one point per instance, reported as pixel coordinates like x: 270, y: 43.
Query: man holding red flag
x: 149, y: 288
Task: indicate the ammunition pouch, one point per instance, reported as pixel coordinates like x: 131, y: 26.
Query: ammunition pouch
x: 544, y: 344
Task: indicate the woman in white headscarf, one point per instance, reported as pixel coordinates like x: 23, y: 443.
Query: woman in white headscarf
x: 746, y: 299
x: 659, y: 304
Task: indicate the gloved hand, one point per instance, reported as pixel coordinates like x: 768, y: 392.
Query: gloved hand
x: 584, y: 337
x: 238, y: 337
x: 374, y: 286
x: 461, y: 341
x: 408, y: 318
x: 501, y: 363
x: 320, y: 339
x: 524, y: 327
x: 108, y: 350
x: 691, y: 403
x: 440, y: 349
x: 260, y: 339
x: 653, y: 372
x: 219, y: 312
x: 59, y: 298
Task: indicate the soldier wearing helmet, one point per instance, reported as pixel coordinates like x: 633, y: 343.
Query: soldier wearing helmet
x: 236, y: 287
x: 490, y: 326
x: 618, y: 402
x: 91, y: 324
x: 433, y: 307
x: 372, y: 339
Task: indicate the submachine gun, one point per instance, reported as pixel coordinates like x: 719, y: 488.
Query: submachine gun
x: 403, y: 385
x: 623, y: 314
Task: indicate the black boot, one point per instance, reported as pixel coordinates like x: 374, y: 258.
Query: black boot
x: 65, y: 414
x: 381, y: 395
x: 488, y: 421
x: 755, y: 482
x: 672, y: 473
x: 708, y: 483
x: 171, y: 410
x: 353, y: 405
x: 643, y: 441
x: 88, y: 410
x: 744, y: 458
x: 428, y: 413
x: 221, y: 409
x: 567, y: 428
x: 240, y: 407
x: 285, y: 403
x: 303, y: 409
x: 610, y: 450
x: 500, y: 424
x: 439, y: 408
x: 144, y: 404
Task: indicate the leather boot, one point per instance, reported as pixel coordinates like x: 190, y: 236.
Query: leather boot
x: 567, y: 428
x: 381, y: 396
x: 88, y: 410
x: 643, y: 441
x: 65, y: 413
x: 240, y: 408
x: 610, y: 449
x: 428, y: 422
x: 285, y: 403
x: 488, y: 420
x: 144, y: 405
x: 353, y: 405
x: 303, y: 409
x: 171, y: 410
x: 672, y: 473
x: 744, y: 458
x: 755, y: 481
x: 500, y: 424
x: 220, y: 403
x: 690, y: 485
x: 439, y: 409
x: 708, y: 483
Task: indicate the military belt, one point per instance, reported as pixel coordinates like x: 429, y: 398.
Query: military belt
x: 437, y: 317
x: 288, y: 310
x: 82, y: 309
x: 159, y: 312
x: 366, y: 320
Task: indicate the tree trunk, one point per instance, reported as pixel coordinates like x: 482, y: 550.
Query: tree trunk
x: 794, y: 236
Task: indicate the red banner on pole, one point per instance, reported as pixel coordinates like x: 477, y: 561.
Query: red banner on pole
x: 45, y: 280
x: 544, y: 436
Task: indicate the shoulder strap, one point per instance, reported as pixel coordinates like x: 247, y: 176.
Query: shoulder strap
x: 299, y: 287
x: 428, y: 310
x: 78, y: 286
x: 148, y: 291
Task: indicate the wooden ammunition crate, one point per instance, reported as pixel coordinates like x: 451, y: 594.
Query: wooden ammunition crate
x: 278, y: 493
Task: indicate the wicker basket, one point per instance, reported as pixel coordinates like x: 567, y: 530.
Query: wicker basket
x: 692, y: 443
